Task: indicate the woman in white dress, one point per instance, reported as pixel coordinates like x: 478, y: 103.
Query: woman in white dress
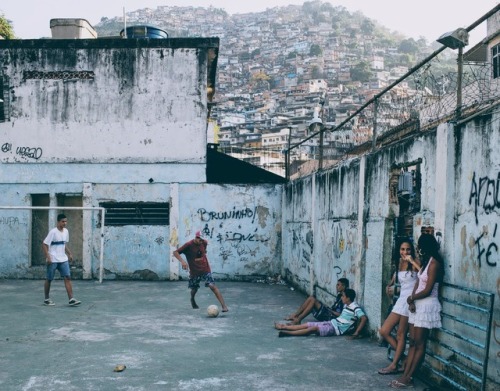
x: 424, y: 305
x: 406, y: 275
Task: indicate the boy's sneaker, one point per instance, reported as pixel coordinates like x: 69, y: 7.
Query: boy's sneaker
x: 48, y: 302
x: 74, y: 302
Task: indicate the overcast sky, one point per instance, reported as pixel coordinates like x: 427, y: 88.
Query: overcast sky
x: 427, y: 18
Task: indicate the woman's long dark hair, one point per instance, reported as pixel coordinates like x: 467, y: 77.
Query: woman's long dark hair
x: 429, y: 247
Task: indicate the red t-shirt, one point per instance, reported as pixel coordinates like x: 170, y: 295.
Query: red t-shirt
x: 196, y: 255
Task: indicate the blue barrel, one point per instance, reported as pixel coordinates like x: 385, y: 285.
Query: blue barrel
x: 144, y: 31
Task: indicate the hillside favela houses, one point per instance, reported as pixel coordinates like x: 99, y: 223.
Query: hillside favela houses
x: 118, y: 133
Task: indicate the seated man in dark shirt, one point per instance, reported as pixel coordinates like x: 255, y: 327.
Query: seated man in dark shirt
x: 352, y: 321
x: 320, y: 311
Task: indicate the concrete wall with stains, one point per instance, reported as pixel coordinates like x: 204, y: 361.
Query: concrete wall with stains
x: 475, y: 235
x: 320, y: 228
x: 123, y: 121
x: 132, y: 251
x: 96, y: 121
x: 242, y: 225
x: 103, y: 101
x: 340, y: 222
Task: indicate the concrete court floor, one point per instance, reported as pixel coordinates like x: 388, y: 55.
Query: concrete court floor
x: 166, y: 345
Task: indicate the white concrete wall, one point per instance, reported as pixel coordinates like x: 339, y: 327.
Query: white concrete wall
x: 128, y: 125
x: 241, y: 223
x: 143, y: 105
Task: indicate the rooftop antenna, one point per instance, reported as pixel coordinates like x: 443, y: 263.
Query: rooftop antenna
x: 124, y: 23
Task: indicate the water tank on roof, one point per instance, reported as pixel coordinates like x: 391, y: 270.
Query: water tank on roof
x: 143, y: 31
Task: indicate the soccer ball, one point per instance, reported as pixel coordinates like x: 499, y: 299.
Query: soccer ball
x: 213, y: 311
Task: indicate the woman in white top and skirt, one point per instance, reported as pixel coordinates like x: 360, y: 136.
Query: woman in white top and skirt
x: 424, y: 306
x: 406, y: 274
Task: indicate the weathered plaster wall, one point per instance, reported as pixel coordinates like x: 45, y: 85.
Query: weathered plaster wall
x: 320, y: 227
x: 475, y: 238
x: 241, y: 223
x: 132, y: 251
x: 16, y: 225
x: 102, y: 120
x: 324, y: 237
x: 140, y: 104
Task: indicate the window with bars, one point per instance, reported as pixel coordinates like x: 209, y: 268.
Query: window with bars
x: 136, y: 213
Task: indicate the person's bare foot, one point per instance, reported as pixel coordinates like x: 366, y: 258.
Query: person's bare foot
x: 193, y: 304
x: 278, y: 326
x: 225, y: 309
x: 290, y: 317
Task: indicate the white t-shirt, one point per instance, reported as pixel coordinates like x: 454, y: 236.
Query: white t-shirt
x: 56, y: 240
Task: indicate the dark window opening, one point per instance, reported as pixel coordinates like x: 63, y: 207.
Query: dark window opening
x: 136, y: 213
x: 39, y: 228
x: 3, y: 99
x: 495, y: 58
x: 405, y: 192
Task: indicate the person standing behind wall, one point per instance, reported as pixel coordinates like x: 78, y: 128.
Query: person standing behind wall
x: 57, y: 254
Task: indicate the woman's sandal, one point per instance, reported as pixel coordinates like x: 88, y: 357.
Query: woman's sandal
x: 386, y: 371
x: 398, y: 384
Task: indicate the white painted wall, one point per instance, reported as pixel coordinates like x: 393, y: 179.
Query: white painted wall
x: 241, y: 223
x: 143, y: 105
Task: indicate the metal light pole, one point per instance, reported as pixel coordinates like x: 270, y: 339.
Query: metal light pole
x: 457, y: 40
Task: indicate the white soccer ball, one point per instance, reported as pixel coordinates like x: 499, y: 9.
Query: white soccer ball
x: 213, y: 311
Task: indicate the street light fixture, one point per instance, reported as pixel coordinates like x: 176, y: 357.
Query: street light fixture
x: 455, y: 39
x: 316, y: 123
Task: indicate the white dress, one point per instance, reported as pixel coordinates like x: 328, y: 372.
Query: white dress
x: 407, y: 280
x: 427, y: 313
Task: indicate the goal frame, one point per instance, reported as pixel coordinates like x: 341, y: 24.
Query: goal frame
x: 94, y: 208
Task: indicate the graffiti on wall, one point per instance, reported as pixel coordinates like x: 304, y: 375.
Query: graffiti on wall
x: 34, y: 153
x: 9, y: 221
x: 301, y: 250
x: 485, y: 198
x: 235, y: 230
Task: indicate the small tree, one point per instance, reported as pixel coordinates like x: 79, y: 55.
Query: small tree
x: 408, y: 46
x: 6, y: 30
x: 361, y: 72
x: 315, y: 50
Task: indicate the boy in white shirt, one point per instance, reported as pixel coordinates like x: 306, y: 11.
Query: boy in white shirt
x: 57, y: 254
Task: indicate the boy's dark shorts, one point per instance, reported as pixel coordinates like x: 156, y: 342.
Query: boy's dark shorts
x: 323, y: 314
x: 194, y: 283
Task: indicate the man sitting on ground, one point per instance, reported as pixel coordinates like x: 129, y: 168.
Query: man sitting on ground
x: 341, y: 325
x: 319, y: 310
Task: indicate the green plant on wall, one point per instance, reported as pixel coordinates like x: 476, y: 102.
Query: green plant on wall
x: 6, y: 30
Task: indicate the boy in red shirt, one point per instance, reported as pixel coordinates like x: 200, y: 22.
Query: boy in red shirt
x: 195, y: 252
